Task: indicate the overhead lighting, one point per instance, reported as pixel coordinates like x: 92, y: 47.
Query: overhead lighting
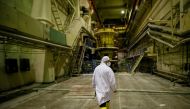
x: 122, y: 11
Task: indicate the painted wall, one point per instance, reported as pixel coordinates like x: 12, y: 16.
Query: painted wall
x: 173, y: 60
x: 44, y: 66
x: 17, y: 14
x: 20, y: 78
x: 41, y: 9
x: 13, y: 18
x: 24, y: 6
x: 38, y: 61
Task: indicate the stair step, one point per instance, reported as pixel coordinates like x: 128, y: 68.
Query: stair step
x: 136, y: 63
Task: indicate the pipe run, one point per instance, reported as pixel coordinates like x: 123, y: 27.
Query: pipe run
x: 163, y: 28
x: 164, y: 35
x: 73, y: 12
x: 150, y: 33
x: 17, y: 36
x: 72, y: 17
x: 159, y: 40
x: 167, y: 43
x: 45, y: 20
x: 71, y: 4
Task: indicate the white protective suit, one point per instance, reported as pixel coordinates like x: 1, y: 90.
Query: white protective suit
x: 103, y: 81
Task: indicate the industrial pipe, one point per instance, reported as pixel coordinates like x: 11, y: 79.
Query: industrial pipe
x: 73, y: 12
x: 145, y: 30
x: 45, y: 20
x: 164, y: 35
x: 33, y: 39
x: 183, y: 41
x: 163, y: 28
x: 72, y: 17
x: 166, y: 43
x: 159, y: 40
x: 71, y: 4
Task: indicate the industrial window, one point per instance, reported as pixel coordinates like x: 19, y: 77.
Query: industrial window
x: 24, y: 65
x: 11, y: 65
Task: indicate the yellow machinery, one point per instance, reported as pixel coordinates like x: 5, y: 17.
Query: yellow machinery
x: 105, y: 37
x: 106, y: 43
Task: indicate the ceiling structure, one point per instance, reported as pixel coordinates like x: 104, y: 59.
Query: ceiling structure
x: 108, y: 12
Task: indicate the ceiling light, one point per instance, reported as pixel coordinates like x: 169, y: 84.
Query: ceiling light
x: 122, y: 11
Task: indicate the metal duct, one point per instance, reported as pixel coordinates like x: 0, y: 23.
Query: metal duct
x: 163, y: 28
x: 159, y: 40
x: 164, y: 35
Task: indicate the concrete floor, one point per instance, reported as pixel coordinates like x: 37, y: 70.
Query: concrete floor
x: 141, y: 91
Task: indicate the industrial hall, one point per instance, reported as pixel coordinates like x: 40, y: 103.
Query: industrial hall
x: 95, y: 54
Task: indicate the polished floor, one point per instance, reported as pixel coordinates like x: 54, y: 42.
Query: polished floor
x: 141, y: 91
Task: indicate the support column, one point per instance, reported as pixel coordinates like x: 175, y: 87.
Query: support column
x: 41, y: 10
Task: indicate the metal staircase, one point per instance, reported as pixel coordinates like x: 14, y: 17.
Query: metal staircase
x: 74, y: 67
x: 88, y: 66
x: 81, y: 60
x: 55, y: 13
x: 78, y: 57
x: 136, y: 64
x: 67, y: 23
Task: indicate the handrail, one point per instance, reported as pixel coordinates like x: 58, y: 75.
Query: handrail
x: 82, y: 55
x: 77, y: 38
x: 45, y: 20
x: 76, y: 49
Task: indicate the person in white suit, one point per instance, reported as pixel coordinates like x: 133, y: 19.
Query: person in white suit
x: 103, y: 81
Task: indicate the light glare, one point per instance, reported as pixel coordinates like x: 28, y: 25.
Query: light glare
x: 122, y: 11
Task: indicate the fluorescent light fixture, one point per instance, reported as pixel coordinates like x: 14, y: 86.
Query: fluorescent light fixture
x: 122, y: 11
